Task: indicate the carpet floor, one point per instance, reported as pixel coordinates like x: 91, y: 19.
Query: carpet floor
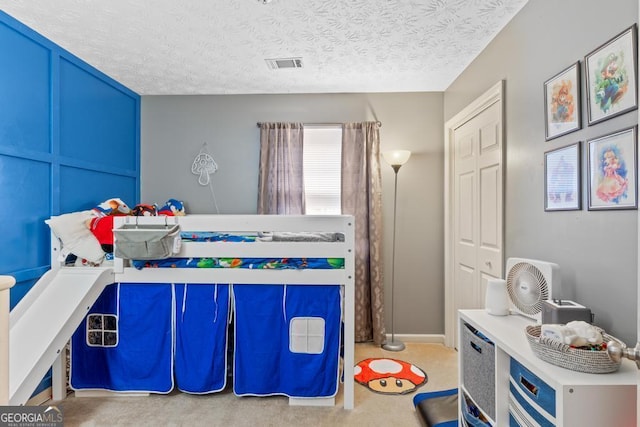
x: 225, y: 409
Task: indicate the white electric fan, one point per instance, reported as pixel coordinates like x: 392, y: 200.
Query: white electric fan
x: 529, y: 282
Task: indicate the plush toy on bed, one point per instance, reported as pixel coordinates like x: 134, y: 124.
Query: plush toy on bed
x: 173, y: 207
x: 144, y: 210
x: 101, y: 222
x: 102, y: 228
x: 111, y: 207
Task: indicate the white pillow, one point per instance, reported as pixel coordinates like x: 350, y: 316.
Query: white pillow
x: 76, y: 237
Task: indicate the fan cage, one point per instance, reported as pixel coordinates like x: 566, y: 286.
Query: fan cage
x: 527, y: 288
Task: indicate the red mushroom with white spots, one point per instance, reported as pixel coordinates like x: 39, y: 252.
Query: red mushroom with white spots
x: 389, y: 376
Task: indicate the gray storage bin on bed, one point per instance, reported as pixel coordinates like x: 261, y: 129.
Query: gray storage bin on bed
x: 135, y: 241
x: 478, y: 357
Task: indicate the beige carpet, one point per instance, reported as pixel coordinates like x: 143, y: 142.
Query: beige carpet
x: 225, y: 409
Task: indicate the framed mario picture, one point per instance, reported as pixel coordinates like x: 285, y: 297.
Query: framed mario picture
x: 611, y: 72
x: 562, y: 102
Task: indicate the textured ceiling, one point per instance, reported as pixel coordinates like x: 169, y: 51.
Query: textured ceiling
x: 219, y: 46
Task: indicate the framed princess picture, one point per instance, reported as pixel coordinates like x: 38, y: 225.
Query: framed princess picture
x: 613, y: 171
x: 611, y: 77
x: 562, y: 102
x: 562, y: 179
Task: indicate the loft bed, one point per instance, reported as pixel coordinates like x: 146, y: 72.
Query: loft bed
x: 274, y: 259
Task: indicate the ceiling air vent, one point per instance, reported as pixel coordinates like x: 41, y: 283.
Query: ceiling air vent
x: 282, y: 63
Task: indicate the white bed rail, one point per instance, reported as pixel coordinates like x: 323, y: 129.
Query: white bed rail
x: 247, y: 224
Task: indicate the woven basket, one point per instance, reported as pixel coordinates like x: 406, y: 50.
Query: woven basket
x: 560, y: 354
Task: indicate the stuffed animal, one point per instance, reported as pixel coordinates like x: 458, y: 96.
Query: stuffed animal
x: 173, y: 207
x: 583, y: 333
x: 144, y: 210
x: 577, y: 333
x: 102, y: 228
x: 111, y: 207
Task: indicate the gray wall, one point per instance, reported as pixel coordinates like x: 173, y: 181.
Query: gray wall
x: 174, y: 128
x: 596, y: 250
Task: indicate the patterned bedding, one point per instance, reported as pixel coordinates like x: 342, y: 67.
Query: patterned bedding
x: 206, y: 236
x: 210, y: 236
x: 251, y: 263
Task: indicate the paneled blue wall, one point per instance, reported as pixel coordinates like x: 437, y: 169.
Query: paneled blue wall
x: 69, y: 139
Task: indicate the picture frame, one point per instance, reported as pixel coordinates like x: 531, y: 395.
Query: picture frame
x: 562, y: 172
x: 562, y: 104
x: 613, y: 170
x: 611, y: 77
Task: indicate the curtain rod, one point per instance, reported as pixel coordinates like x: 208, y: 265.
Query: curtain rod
x: 324, y: 124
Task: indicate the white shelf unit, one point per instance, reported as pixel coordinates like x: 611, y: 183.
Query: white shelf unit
x: 580, y: 399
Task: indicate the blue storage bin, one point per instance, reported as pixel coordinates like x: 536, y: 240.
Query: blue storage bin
x: 471, y: 415
x: 531, y: 400
x: 513, y: 422
x: 478, y: 375
x: 533, y: 387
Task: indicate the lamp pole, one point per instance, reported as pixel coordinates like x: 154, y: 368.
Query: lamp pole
x: 394, y: 345
x: 396, y: 159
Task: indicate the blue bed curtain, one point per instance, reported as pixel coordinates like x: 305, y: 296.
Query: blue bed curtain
x: 168, y: 333
x: 264, y: 363
x: 202, y: 316
x: 142, y: 359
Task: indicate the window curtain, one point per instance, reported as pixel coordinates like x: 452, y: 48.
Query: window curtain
x: 281, y: 183
x: 281, y: 191
x: 362, y: 198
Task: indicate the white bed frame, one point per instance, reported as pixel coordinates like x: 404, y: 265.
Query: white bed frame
x: 273, y: 249
x: 35, y: 333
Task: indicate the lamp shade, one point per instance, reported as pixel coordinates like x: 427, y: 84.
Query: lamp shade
x: 396, y: 157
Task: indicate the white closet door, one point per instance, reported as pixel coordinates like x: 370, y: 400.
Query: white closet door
x: 477, y: 202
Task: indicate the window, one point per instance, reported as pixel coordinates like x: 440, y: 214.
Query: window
x: 322, y: 163
x: 102, y: 330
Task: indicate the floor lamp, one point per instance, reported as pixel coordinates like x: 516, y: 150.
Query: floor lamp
x: 396, y: 159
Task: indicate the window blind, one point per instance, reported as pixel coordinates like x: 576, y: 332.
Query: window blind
x: 322, y: 157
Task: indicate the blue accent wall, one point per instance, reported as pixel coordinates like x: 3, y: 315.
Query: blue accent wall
x: 69, y: 139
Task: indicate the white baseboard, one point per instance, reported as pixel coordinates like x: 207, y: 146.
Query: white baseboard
x: 419, y: 338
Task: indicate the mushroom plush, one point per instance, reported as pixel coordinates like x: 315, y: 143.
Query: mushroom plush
x: 389, y: 376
